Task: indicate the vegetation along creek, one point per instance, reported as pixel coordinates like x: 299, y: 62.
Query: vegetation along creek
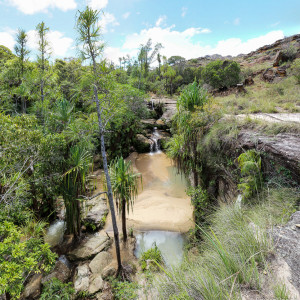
x: 150, y: 163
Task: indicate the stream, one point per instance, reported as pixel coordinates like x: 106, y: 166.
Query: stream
x: 162, y: 212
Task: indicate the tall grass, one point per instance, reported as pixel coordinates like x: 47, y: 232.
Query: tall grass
x: 265, y: 98
x: 233, y: 252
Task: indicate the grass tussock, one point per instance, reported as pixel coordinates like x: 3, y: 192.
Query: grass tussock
x: 263, y: 97
x: 233, y: 252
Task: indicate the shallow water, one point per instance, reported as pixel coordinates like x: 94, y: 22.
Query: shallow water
x: 170, y: 244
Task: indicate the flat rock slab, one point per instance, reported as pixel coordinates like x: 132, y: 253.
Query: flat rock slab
x: 99, y: 262
x: 287, y: 241
x: 90, y: 247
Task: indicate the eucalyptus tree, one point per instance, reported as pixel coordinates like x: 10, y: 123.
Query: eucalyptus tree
x: 125, y: 188
x: 91, y: 50
x: 22, y: 53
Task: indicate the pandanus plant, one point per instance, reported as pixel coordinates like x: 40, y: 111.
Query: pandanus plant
x: 74, y: 186
x: 125, y: 188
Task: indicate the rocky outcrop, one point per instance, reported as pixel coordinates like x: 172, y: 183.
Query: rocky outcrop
x: 142, y: 144
x: 272, y: 73
x: 90, y: 248
x: 148, y: 123
x: 283, y: 148
x: 287, y: 242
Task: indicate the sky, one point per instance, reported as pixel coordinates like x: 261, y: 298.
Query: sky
x: 189, y: 28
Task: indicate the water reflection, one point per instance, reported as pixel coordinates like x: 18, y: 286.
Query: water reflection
x: 170, y: 244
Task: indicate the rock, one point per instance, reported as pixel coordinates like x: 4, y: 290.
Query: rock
x: 109, y: 271
x: 278, y: 59
x: 100, y: 261
x: 81, y: 282
x: 287, y: 243
x: 160, y: 124
x: 33, y: 288
x: 281, y: 72
x: 148, y: 123
x: 142, y: 144
x: 90, y: 248
x: 268, y: 75
x: 240, y: 88
x: 61, y: 271
x: 96, y: 284
x: 249, y: 81
x: 107, y: 292
x: 283, y: 148
x: 97, y: 211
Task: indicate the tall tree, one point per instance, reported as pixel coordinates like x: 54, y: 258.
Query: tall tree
x: 125, y: 188
x: 89, y: 38
x: 22, y: 53
x: 43, y: 56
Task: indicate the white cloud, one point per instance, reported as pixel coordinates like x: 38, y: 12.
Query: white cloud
x: 107, y: 20
x: 57, y: 41
x: 160, y: 21
x: 30, y: 7
x: 126, y: 15
x: 275, y: 24
x: 184, y: 43
x: 183, y: 11
x: 96, y: 4
x: 237, y: 21
x: 7, y: 39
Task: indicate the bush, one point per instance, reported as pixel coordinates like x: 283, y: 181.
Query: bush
x: 55, y: 289
x: 221, y: 74
x: 151, y: 258
x: 124, y: 290
x: 296, y: 69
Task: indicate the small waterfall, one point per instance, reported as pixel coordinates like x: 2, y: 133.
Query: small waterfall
x: 55, y: 233
x: 152, y: 104
x: 155, y: 145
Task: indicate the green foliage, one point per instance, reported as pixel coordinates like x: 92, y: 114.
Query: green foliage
x: 55, y: 289
x: 19, y: 257
x: 250, y: 166
x: 296, y: 69
x: 151, y: 258
x: 201, y: 203
x: 221, y: 74
x: 74, y: 185
x: 281, y: 292
x: 125, y: 290
x: 191, y: 97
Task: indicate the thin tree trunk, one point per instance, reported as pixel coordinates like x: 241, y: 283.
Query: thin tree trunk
x: 108, y: 182
x: 124, y: 220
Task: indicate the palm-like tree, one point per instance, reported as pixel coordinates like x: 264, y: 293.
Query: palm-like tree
x: 74, y: 186
x: 125, y: 187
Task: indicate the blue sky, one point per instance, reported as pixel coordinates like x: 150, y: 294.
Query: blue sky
x: 190, y: 28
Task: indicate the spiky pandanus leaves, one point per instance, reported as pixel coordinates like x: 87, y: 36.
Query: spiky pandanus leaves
x: 125, y: 187
x: 74, y: 186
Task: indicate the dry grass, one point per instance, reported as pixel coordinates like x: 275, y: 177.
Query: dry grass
x: 263, y: 97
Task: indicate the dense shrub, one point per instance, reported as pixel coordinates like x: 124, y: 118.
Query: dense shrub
x: 151, y: 258
x: 55, y: 289
x: 296, y: 69
x: 221, y: 74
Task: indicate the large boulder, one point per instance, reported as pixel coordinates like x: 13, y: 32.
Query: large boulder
x: 99, y: 262
x: 96, y: 284
x: 81, y: 282
x: 142, y: 144
x: 90, y: 247
x: 61, y: 271
x: 97, y: 211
